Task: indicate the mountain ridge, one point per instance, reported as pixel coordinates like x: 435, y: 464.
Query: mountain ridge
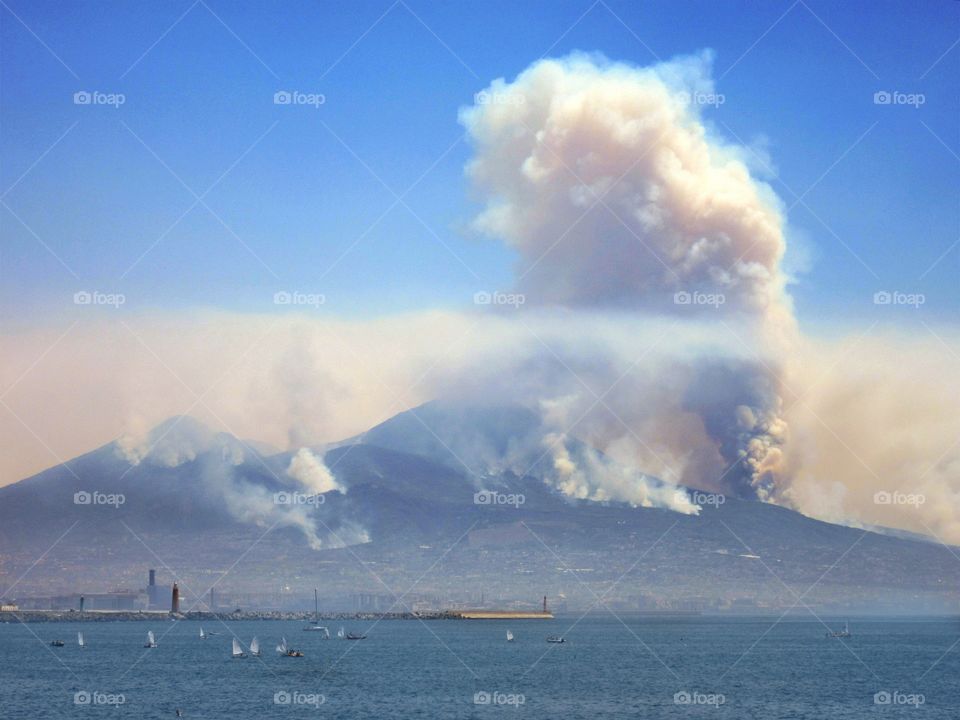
x: 389, y: 504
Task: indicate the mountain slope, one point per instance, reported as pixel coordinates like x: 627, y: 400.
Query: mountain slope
x: 195, y: 501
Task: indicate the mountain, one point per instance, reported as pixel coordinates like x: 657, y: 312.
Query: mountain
x: 478, y: 439
x: 398, y: 508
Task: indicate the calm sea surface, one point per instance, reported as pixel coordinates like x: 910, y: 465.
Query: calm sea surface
x: 648, y: 668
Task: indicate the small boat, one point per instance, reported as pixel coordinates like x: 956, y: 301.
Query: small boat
x: 255, y: 647
x: 57, y: 643
x: 341, y: 633
x: 509, y: 636
x: 203, y: 635
x: 555, y: 639
x: 351, y: 636
x: 316, y: 626
x: 287, y: 651
x: 80, y: 641
x: 151, y: 640
x: 845, y: 633
x: 237, y: 650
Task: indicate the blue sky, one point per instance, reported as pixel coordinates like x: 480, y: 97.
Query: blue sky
x: 101, y: 187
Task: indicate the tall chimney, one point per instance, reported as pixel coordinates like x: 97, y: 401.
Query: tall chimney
x: 544, y: 603
x: 175, y: 600
x: 153, y: 577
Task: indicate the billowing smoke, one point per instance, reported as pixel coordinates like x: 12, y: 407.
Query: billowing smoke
x: 312, y: 473
x: 656, y: 332
x: 606, y: 181
x: 218, y: 456
x: 873, y: 415
x: 592, y: 476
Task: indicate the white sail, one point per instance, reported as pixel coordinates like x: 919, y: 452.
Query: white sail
x: 80, y: 639
x: 202, y: 635
x: 509, y: 636
x: 282, y: 647
x: 341, y: 633
x: 237, y: 650
x: 254, y: 646
x: 151, y: 640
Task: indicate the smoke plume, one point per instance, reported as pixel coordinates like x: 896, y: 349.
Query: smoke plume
x: 656, y: 331
x: 312, y: 473
x: 606, y: 181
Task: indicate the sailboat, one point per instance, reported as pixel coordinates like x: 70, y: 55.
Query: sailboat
x: 352, y: 636
x: 203, y: 635
x: 237, y: 650
x: 287, y: 651
x: 509, y: 636
x: 845, y: 633
x: 341, y: 633
x: 151, y: 640
x: 80, y: 640
x: 316, y: 626
x: 255, y: 647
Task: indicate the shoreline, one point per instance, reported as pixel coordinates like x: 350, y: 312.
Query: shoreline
x: 15, y: 616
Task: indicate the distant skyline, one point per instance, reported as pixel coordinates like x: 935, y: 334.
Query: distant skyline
x: 100, y: 197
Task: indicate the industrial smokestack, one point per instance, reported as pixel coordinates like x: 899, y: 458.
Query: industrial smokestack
x: 175, y: 600
x: 153, y: 578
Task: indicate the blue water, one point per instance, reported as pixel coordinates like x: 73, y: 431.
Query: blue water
x: 408, y: 669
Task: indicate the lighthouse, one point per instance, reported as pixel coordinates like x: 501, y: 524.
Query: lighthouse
x: 175, y: 600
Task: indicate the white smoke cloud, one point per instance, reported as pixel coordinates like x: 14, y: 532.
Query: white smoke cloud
x: 311, y: 472
x: 177, y: 441
x: 611, y: 189
x: 606, y: 181
x: 593, y: 477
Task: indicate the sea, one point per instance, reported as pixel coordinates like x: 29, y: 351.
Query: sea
x: 645, y: 667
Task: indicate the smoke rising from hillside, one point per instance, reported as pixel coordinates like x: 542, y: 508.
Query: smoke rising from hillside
x: 605, y: 180
x: 656, y: 329
x: 878, y: 417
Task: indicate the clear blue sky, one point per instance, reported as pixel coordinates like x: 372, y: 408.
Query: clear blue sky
x: 199, y: 81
